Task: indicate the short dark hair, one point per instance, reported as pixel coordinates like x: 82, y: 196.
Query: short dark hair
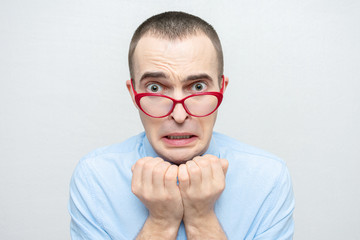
x: 172, y: 26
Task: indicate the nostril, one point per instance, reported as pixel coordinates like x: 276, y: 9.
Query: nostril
x: 179, y: 113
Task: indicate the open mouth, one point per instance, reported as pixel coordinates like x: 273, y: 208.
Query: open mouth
x: 180, y: 137
x: 179, y: 140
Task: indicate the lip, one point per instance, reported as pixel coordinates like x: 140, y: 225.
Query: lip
x: 179, y: 139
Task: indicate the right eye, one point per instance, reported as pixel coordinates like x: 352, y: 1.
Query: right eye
x: 154, y: 88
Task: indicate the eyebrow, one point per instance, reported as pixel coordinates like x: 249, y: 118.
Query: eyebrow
x: 198, y: 76
x: 152, y: 75
x: 163, y: 75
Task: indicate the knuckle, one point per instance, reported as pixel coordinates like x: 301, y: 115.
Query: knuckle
x: 168, y: 177
x: 195, y: 170
x: 215, y: 159
x: 220, y: 187
x: 208, y: 194
x: 147, y: 197
x: 158, y: 171
x: 203, y: 163
x: 210, y: 156
x: 134, y: 190
x: 148, y: 166
x: 140, y: 163
x: 199, y: 160
x: 165, y: 164
x: 169, y: 198
x: 211, y: 159
x: 183, y: 177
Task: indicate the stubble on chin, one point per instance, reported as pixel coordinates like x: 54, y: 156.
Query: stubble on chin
x: 177, y: 158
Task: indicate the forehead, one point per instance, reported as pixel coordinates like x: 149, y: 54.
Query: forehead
x: 175, y: 58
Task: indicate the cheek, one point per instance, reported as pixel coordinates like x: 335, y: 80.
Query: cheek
x: 151, y: 125
x: 207, y: 124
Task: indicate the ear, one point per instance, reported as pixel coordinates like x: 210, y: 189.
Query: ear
x: 129, y: 88
x: 226, y: 79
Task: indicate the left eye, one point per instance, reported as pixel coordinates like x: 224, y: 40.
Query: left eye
x: 198, y: 87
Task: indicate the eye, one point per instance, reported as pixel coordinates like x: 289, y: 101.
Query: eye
x: 198, y: 87
x: 154, y: 88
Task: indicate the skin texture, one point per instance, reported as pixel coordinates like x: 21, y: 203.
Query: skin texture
x: 178, y: 68
x: 201, y: 181
x: 177, y: 60
x: 154, y: 183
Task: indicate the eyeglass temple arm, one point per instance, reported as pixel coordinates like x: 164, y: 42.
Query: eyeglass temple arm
x: 132, y: 86
x: 222, y: 84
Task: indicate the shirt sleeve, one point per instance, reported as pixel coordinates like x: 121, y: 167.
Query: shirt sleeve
x: 277, y: 222
x: 83, y: 209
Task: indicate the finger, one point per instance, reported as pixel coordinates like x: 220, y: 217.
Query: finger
x: 217, y: 170
x: 147, y: 172
x: 158, y: 174
x: 204, y: 163
x: 137, y: 174
x: 194, y: 174
x: 184, y: 178
x: 171, y: 179
x: 224, y: 165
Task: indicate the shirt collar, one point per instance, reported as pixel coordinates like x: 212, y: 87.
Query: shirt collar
x: 148, y: 149
x: 213, y: 148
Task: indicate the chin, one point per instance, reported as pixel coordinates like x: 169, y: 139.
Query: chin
x: 177, y: 161
x: 180, y: 156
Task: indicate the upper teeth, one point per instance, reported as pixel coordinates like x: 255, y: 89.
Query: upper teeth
x: 179, y: 137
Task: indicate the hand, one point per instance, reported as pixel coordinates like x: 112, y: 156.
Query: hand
x: 154, y: 182
x: 201, y: 182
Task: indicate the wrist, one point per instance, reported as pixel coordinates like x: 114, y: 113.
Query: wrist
x: 155, y: 228
x: 206, y: 226
x: 199, y: 219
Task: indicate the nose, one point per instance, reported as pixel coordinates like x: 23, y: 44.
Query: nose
x: 179, y: 114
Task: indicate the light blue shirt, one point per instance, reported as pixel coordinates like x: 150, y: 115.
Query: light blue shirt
x: 257, y: 202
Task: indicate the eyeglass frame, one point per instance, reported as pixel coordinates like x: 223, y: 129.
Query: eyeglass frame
x: 218, y: 95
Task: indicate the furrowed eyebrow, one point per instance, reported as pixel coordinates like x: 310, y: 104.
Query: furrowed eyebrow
x: 198, y: 76
x: 187, y: 79
x: 152, y: 75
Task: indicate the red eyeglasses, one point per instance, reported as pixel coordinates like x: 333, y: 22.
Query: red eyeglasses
x: 198, y: 105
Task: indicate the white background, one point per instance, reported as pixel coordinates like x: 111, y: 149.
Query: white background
x: 294, y: 69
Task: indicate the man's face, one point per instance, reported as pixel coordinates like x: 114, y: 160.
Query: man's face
x: 176, y: 68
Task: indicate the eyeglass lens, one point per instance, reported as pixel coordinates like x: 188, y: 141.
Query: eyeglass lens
x: 158, y: 106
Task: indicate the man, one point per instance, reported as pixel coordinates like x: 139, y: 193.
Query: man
x: 169, y: 182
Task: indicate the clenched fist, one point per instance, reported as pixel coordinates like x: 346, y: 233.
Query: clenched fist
x: 154, y: 182
x: 201, y: 182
